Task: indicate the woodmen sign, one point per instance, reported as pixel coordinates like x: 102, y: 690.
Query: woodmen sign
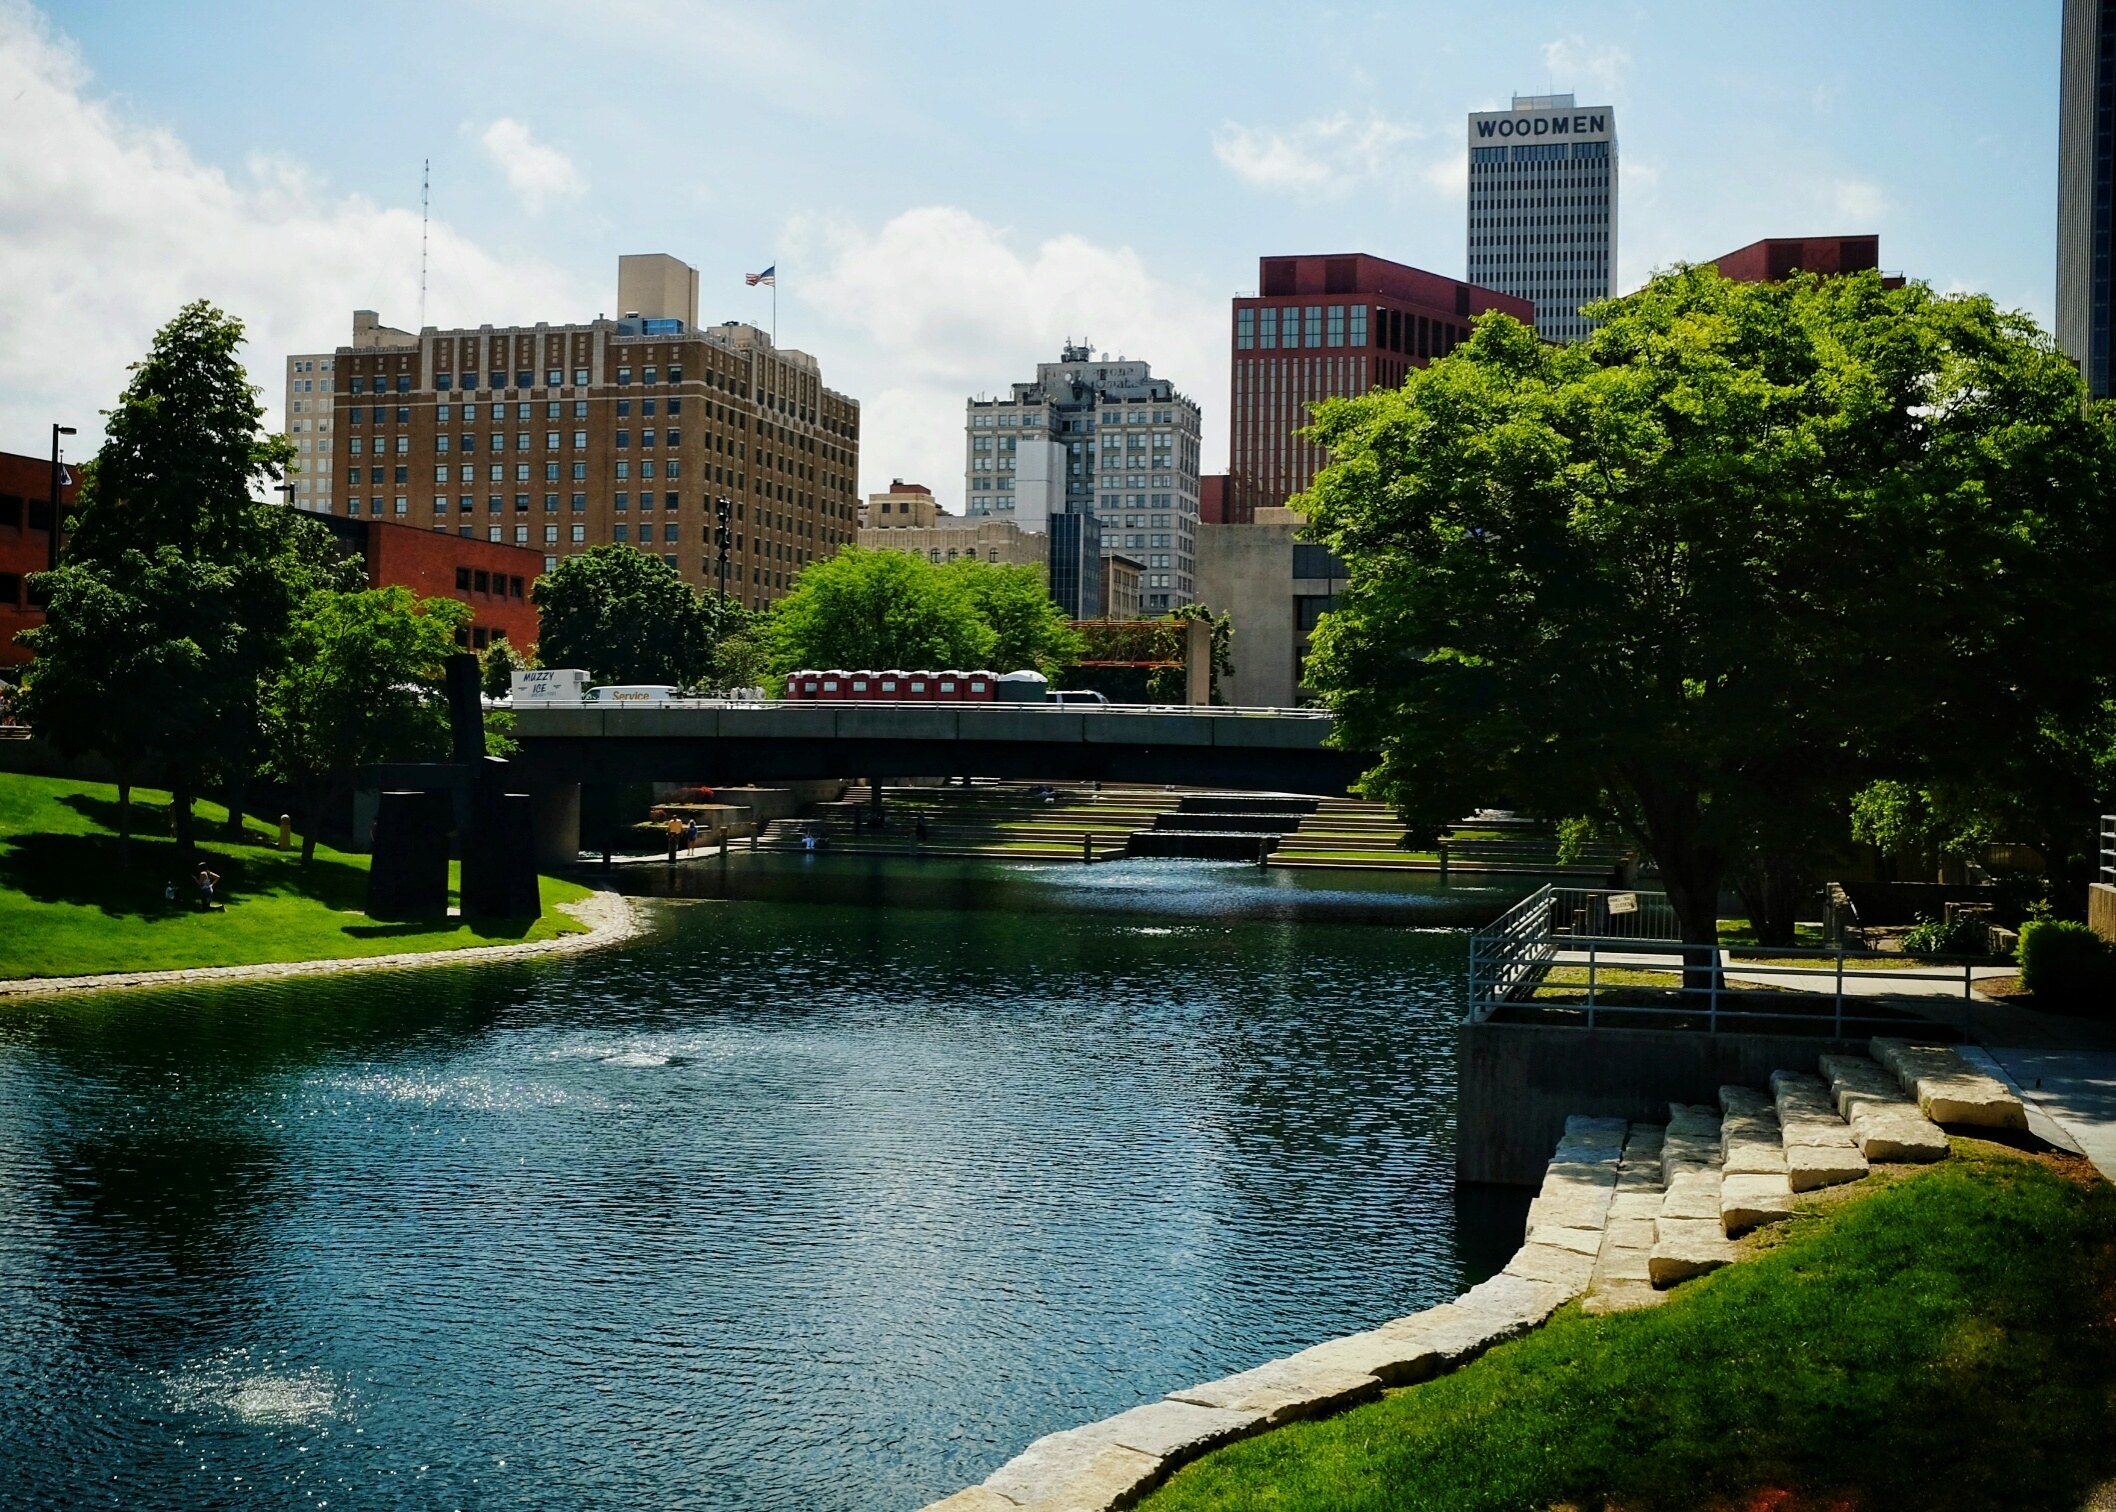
x: 1495, y: 127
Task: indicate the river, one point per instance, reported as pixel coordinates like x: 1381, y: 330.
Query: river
x: 832, y: 1192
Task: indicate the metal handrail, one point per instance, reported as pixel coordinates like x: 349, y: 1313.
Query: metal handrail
x: 2108, y: 848
x: 1214, y: 711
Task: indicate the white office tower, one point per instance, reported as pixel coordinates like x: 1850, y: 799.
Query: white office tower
x: 1542, y: 207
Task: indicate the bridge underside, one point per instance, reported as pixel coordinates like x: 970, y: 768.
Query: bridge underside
x: 729, y: 761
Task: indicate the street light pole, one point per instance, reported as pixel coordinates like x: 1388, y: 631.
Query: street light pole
x: 51, y: 555
x: 723, y: 511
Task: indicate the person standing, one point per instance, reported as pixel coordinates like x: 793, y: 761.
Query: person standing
x: 207, y: 882
x: 674, y: 830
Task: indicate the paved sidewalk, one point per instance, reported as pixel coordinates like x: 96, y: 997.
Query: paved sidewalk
x: 2076, y: 1089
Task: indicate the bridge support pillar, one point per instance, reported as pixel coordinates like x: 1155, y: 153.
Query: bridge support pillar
x: 555, y: 816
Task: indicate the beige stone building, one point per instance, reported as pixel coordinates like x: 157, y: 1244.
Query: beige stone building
x: 309, y: 409
x: 904, y: 504
x: 1120, y: 587
x: 952, y: 538
x: 562, y: 437
x: 1277, y: 587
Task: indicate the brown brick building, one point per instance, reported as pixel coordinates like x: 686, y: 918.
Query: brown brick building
x: 25, y: 542
x: 1777, y: 257
x: 492, y: 577
x: 561, y: 437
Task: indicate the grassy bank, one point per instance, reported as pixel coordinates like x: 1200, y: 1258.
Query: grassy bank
x: 1945, y: 1340
x: 68, y: 908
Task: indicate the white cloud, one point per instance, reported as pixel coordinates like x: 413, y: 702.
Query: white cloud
x: 1571, y: 60
x: 938, y: 306
x: 1858, y: 200
x: 537, y: 173
x: 111, y: 224
x: 1328, y: 157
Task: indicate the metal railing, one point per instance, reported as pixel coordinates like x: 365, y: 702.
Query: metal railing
x: 1211, y: 711
x: 2108, y: 848
x: 1606, y: 941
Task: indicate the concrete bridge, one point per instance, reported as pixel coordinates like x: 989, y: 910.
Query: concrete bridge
x: 723, y: 744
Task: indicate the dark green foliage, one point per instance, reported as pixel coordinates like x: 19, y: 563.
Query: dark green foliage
x: 626, y: 616
x: 1942, y: 1344
x: 1965, y: 935
x: 1712, y: 571
x: 2064, y: 962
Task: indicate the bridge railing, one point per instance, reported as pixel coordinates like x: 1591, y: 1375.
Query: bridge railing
x: 1209, y: 711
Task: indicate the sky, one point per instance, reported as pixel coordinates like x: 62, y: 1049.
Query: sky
x: 948, y: 191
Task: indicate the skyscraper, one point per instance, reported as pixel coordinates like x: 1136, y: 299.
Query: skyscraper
x: 1101, y: 437
x: 2086, y: 161
x: 1542, y: 206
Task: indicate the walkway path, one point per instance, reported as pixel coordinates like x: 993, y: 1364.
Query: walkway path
x: 2076, y: 1089
x: 609, y: 917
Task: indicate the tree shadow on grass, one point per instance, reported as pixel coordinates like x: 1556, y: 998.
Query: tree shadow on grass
x: 85, y: 870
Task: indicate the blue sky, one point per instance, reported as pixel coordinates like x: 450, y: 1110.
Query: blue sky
x: 947, y: 190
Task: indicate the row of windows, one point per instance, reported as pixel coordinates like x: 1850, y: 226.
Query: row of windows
x: 444, y: 413
x: 553, y: 378
x: 1314, y: 326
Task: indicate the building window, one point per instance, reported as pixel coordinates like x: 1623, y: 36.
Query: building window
x: 624, y: 377
x: 550, y: 535
x: 462, y: 580
x: 550, y: 503
x: 550, y: 564
x: 1245, y: 330
x: 647, y: 376
x: 550, y: 472
x: 1359, y: 325
x: 580, y: 377
x: 554, y: 378
x: 580, y: 534
x: 580, y: 503
x: 580, y: 472
x: 622, y: 503
x: 669, y: 532
x: 624, y: 469
x: 440, y: 473
x: 1313, y: 335
x: 620, y: 532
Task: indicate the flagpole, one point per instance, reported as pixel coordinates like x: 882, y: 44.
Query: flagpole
x: 775, y: 302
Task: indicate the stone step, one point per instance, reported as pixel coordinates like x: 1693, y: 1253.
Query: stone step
x: 1885, y: 1124
x: 1754, y: 1189
x: 1623, y: 1270
x: 1819, y: 1151
x: 1947, y: 1089
x: 1691, y: 1142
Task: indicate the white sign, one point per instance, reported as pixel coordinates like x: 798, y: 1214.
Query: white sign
x: 1623, y: 903
x: 549, y: 685
x: 1493, y: 128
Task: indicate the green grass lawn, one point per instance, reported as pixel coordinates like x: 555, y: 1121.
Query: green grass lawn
x: 1944, y: 1341
x: 67, y: 908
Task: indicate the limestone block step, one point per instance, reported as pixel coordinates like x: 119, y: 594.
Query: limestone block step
x: 1069, y: 1471
x: 1948, y: 1090
x: 1623, y: 1275
x: 1687, y: 1247
x: 1749, y: 1137
x: 1885, y: 1123
x: 1279, y: 1392
x: 1746, y: 1202
x: 1691, y: 1142
x: 1819, y: 1150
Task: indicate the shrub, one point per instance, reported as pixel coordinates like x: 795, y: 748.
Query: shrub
x: 1965, y: 935
x: 2063, y: 961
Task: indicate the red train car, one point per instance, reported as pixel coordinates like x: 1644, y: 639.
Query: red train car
x: 891, y: 686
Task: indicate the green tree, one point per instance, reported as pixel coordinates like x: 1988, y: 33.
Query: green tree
x: 879, y: 609
x: 1029, y: 630
x: 1709, y: 572
x: 172, y: 604
x: 497, y: 667
x: 626, y: 616
x: 362, y: 684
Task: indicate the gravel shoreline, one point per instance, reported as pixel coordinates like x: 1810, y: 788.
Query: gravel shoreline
x: 609, y: 916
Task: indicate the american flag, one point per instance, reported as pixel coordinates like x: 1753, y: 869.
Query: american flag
x: 769, y: 276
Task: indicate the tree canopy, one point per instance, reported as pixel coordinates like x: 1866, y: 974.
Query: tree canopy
x: 867, y: 608
x: 1710, y: 572
x: 362, y: 684
x: 171, y: 606
x: 626, y: 616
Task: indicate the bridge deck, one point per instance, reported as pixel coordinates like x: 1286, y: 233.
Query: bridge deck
x: 1041, y: 724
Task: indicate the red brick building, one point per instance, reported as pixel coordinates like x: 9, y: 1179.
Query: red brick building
x: 491, y: 577
x: 1319, y: 327
x: 1777, y: 257
x: 25, y: 542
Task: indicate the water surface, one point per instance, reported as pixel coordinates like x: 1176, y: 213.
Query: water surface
x: 810, y: 1200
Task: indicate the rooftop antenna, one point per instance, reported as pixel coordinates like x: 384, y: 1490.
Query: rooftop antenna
x: 425, y: 189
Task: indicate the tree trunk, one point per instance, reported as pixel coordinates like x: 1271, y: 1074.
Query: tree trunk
x: 124, y: 820
x: 1772, y: 888
x: 180, y: 819
x: 237, y: 800
x: 1692, y: 870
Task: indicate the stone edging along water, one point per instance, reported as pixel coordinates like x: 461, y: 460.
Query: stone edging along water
x: 1111, y: 1464
x: 609, y: 916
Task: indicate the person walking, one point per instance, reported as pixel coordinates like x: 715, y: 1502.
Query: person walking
x: 674, y: 829
x: 207, y: 881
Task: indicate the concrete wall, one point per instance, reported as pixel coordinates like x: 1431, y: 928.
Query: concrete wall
x: 1247, y: 571
x: 1517, y: 1083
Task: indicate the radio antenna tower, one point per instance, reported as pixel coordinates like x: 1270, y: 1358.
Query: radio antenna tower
x: 425, y: 188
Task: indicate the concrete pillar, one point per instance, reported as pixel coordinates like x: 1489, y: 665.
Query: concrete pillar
x: 1197, y: 662
x: 555, y: 814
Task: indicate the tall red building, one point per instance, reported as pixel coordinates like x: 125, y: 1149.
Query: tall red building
x: 25, y: 542
x: 1320, y: 327
x: 1777, y: 257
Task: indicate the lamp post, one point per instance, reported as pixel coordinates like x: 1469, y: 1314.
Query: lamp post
x: 723, y: 511
x: 51, y: 555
